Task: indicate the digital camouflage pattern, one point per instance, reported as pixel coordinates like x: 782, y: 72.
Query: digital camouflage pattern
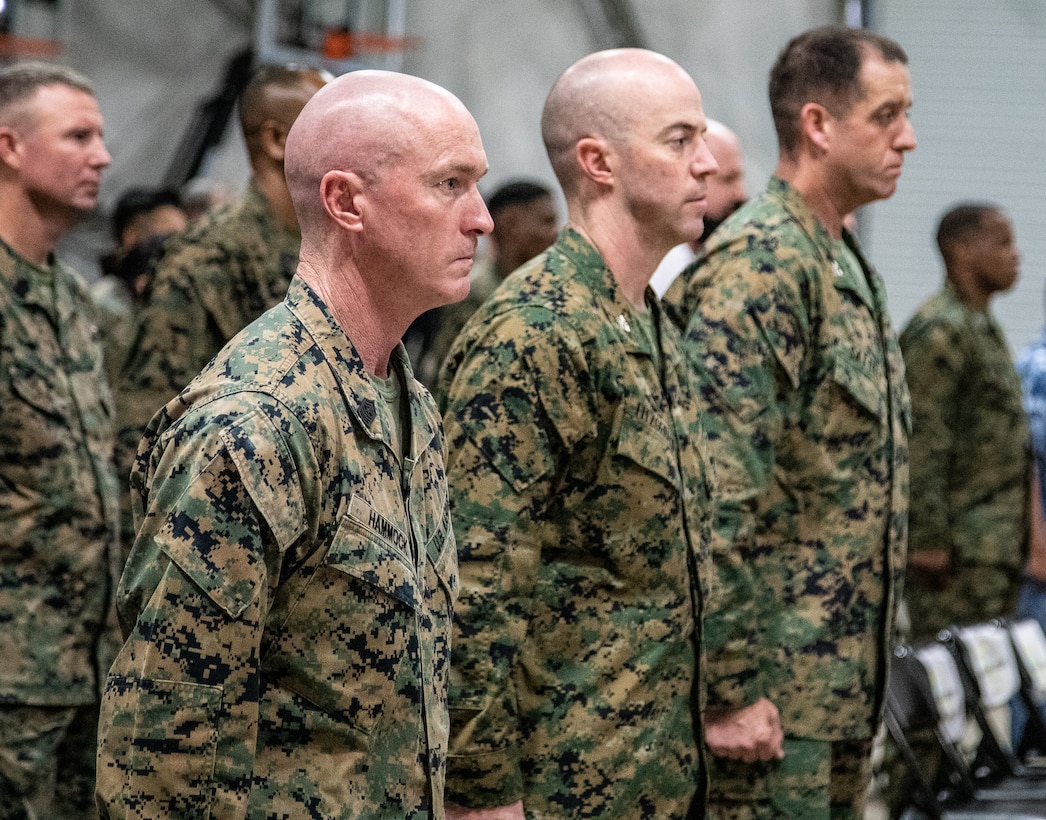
x: 581, y: 508
x: 58, y: 496
x: 115, y: 313
x: 483, y: 281
x: 211, y: 281
x: 288, y: 599
x: 807, y: 416
x: 815, y: 780
x: 971, y: 461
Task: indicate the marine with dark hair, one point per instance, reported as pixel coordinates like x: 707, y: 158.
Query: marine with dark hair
x: 970, y: 442
x: 58, y: 498
x: 220, y: 274
x: 141, y: 218
x: 807, y: 417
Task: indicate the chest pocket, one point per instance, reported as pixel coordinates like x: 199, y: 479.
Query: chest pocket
x: 859, y: 385
x: 370, y: 547
x: 645, y: 439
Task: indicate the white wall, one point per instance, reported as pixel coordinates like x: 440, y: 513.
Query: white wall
x: 979, y: 80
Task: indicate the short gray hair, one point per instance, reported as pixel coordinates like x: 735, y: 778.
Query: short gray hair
x: 20, y: 81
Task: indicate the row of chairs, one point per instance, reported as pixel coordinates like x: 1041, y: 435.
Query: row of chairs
x: 963, y: 681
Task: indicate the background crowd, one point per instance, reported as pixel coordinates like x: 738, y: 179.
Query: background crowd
x: 647, y: 552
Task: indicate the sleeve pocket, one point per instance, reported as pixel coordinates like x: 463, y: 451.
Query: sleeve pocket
x: 172, y: 749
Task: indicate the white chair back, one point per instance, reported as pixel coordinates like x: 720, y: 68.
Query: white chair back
x: 1030, y: 642
x: 993, y: 663
x: 948, y: 693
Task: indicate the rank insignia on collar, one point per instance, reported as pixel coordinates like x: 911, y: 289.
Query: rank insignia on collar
x: 622, y: 323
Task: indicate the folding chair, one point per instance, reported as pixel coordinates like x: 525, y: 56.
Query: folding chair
x: 1029, y: 644
x: 950, y: 793
x: 992, y: 680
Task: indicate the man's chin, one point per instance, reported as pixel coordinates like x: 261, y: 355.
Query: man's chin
x: 456, y: 290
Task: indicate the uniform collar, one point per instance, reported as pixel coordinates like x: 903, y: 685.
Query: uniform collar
x: 792, y: 201
x: 29, y: 284
x: 360, y: 396
x: 591, y: 270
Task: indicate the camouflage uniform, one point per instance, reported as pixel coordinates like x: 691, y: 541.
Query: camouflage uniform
x: 288, y: 599
x: 115, y: 311
x: 213, y: 279
x: 58, y: 502
x: 971, y: 464
x: 581, y: 510
x: 451, y: 318
x: 807, y: 416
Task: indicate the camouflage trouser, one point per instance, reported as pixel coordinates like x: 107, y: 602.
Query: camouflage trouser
x: 47, y: 756
x: 816, y: 780
x: 974, y: 593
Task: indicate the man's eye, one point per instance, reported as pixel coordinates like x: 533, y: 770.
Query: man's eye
x: 450, y: 184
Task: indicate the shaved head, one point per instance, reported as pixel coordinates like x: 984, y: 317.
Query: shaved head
x: 726, y: 188
x: 720, y: 138
x: 383, y: 170
x: 363, y: 122
x: 599, y: 96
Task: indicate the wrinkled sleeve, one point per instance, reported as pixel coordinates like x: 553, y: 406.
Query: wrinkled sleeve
x: 933, y: 359
x: 180, y: 708
x: 745, y: 338
x: 516, y: 402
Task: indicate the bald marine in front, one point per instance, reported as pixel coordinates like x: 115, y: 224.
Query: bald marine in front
x: 580, y: 501
x: 287, y: 602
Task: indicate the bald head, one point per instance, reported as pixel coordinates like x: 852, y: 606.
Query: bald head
x: 383, y: 170
x: 722, y: 142
x: 363, y: 122
x: 726, y: 188
x: 601, y: 95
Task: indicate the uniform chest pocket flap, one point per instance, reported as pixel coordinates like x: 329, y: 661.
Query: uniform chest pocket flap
x: 861, y: 386
x: 645, y: 438
x: 373, y: 549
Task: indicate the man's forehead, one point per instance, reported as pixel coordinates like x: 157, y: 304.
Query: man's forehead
x: 467, y: 159
x: 883, y: 78
x: 668, y: 120
x: 62, y: 100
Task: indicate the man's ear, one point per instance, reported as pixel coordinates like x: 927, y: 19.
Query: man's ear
x: 10, y: 147
x: 959, y: 252
x: 593, y: 157
x: 342, y: 193
x: 815, y: 124
x: 273, y: 139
